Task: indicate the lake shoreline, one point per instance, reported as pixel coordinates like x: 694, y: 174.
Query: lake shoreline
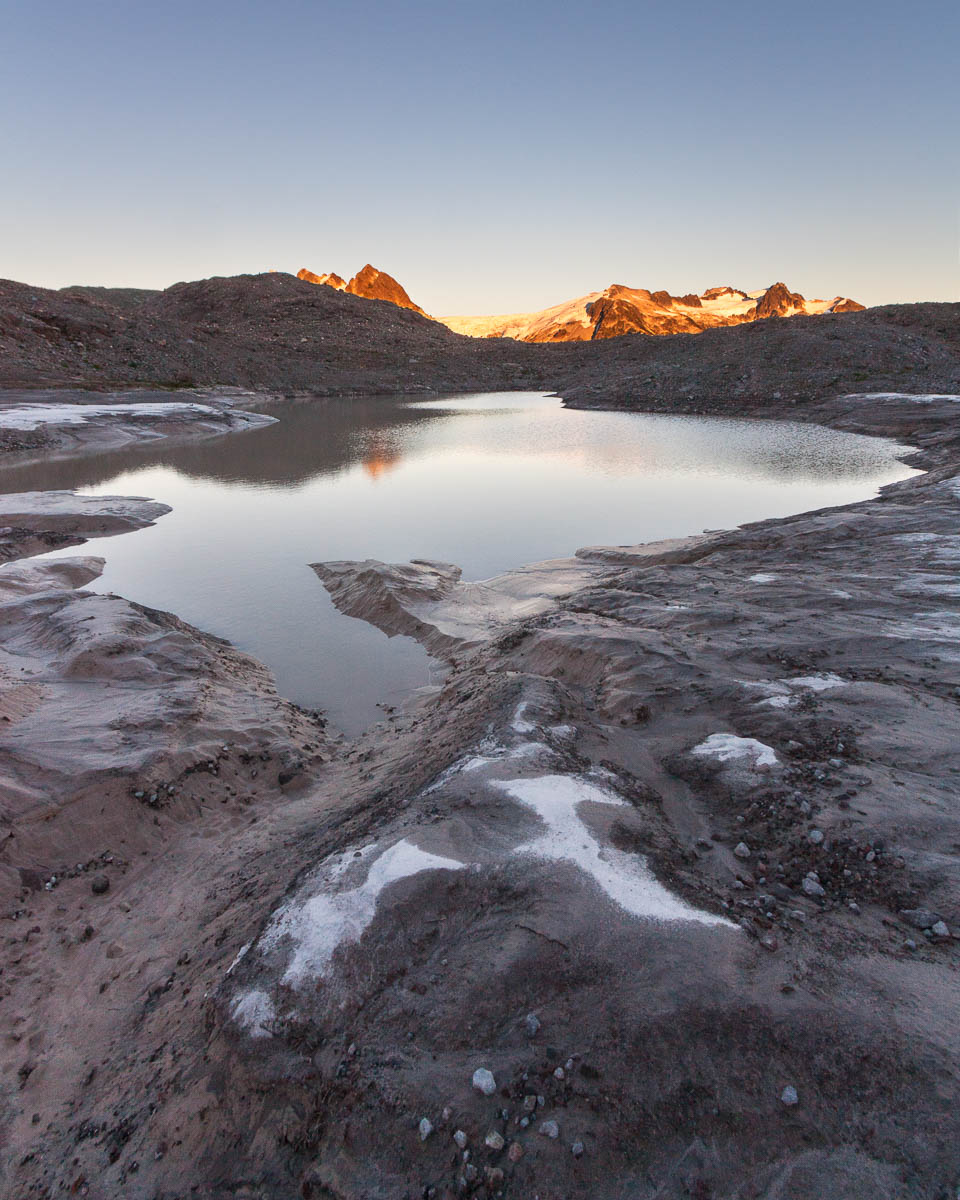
x: 826, y: 639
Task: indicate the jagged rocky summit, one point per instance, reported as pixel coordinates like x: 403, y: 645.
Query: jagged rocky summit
x: 368, y: 282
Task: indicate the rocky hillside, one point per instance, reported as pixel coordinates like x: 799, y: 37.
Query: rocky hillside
x: 278, y: 332
x: 621, y: 310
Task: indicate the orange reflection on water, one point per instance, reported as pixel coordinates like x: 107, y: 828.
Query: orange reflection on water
x: 379, y: 461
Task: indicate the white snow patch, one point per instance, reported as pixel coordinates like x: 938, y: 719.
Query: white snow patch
x: 625, y: 878
x: 918, y: 398
x: 318, y: 925
x: 781, y: 693
x: 727, y: 747
x: 29, y: 416
x: 491, y: 753
x: 761, y: 577
x: 252, y: 1011
x: 817, y: 683
x: 240, y: 953
x: 520, y: 723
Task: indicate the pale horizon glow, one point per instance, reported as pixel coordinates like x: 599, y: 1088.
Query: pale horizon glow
x: 493, y: 159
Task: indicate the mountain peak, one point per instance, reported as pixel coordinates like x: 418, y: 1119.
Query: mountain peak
x: 369, y: 282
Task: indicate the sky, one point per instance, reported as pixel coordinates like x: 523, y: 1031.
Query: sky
x: 494, y: 157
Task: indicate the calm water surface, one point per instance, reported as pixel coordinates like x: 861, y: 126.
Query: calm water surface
x: 488, y: 482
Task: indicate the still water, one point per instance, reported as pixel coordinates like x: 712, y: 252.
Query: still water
x: 486, y: 481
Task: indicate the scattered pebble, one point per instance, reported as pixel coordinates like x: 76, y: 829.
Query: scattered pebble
x: 789, y: 1096
x: 812, y: 887
x: 550, y: 1129
x: 461, y: 1139
x: 494, y: 1140
x: 815, y: 836
x: 532, y: 1023
x: 426, y: 1128
x: 99, y: 884
x: 484, y: 1081
x: 940, y: 929
x: 515, y: 1153
x: 741, y: 850
x: 577, y: 1149
x: 559, y: 1073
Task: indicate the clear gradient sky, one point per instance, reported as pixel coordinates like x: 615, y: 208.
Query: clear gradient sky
x: 494, y: 157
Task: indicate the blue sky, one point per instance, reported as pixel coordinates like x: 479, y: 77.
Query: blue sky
x: 494, y: 157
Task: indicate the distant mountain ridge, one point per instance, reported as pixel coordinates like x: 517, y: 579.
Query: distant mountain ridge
x: 620, y: 310
x: 614, y: 312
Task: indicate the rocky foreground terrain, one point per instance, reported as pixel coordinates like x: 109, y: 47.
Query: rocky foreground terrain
x: 659, y: 897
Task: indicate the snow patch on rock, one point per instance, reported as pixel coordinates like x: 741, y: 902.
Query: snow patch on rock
x: 727, y: 748
x: 625, y: 878
x: 317, y: 925
x: 30, y: 416
x: 253, y: 1011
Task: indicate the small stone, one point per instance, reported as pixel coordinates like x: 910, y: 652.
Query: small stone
x: 99, y: 884
x: 870, y: 855
x: 577, y: 1149
x: 909, y: 944
x: 940, y: 929
x: 470, y: 1173
x: 920, y: 918
x: 815, y: 836
x: 426, y: 1128
x: 484, y: 1081
x: 769, y: 942
x: 524, y: 1122
x: 515, y: 1153
x: 529, y: 1103
x: 812, y: 888
x: 494, y: 1176
x: 789, y: 1096
x: 559, y: 1073
x: 854, y: 908
x: 461, y: 1139
x: 550, y: 1129
x: 741, y: 850
x: 532, y: 1024
x: 494, y: 1140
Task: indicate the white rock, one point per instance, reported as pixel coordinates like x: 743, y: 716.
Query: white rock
x: 484, y: 1081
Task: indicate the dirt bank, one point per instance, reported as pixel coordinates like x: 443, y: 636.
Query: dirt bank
x: 673, y: 855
